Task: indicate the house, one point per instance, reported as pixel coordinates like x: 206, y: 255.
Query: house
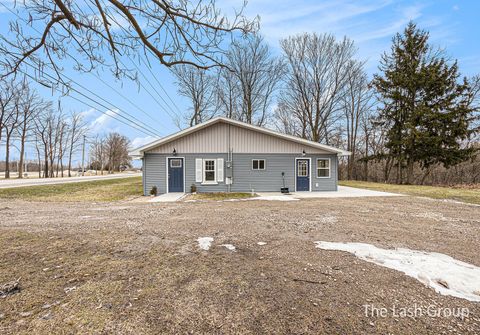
x: 225, y: 155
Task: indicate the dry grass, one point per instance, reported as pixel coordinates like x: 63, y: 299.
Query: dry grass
x: 135, y: 268
x: 465, y: 194
x: 217, y: 196
x: 99, y: 190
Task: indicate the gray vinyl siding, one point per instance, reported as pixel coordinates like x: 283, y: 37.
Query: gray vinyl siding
x: 155, y: 174
x: 244, y: 178
x: 270, y: 179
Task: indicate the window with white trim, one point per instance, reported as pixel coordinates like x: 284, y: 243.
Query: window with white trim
x: 209, y: 171
x: 258, y: 164
x: 323, y: 168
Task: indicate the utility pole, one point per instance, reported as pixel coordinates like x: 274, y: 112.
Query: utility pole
x: 83, y: 157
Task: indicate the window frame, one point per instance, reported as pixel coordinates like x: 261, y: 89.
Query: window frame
x: 258, y: 160
x: 205, y: 181
x: 178, y: 166
x: 329, y: 169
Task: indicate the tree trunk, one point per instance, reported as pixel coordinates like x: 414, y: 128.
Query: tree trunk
x: 7, y: 156
x: 409, y: 171
x: 22, y: 155
x: 45, y: 165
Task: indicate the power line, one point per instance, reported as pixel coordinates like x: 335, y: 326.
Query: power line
x: 140, y: 123
x: 120, y: 94
x: 143, y: 75
x: 131, y: 124
x: 159, y: 84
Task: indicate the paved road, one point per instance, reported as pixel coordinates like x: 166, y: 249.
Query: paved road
x: 9, y: 183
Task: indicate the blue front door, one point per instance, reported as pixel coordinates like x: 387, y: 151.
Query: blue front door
x: 303, y: 175
x: 175, y: 175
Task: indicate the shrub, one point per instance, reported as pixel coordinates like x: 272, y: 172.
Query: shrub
x: 154, y: 191
x: 193, y: 188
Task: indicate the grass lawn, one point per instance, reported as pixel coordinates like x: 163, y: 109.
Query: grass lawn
x: 219, y: 196
x: 470, y: 195
x: 99, y: 190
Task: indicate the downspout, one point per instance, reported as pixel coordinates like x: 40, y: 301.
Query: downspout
x: 229, y: 158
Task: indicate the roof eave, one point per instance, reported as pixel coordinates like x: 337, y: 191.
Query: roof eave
x: 140, y: 151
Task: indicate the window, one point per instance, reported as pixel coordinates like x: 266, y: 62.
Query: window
x: 209, y: 170
x: 258, y: 164
x: 323, y: 168
x: 176, y: 163
x: 302, y: 170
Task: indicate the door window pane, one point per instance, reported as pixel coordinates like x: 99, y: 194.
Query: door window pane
x: 176, y: 163
x: 302, y: 170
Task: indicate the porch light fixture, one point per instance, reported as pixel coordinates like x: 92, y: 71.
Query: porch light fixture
x: 174, y: 151
x: 303, y: 152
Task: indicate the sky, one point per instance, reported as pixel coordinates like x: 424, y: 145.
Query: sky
x: 453, y: 26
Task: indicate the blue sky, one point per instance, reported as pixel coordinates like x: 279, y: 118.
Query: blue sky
x: 453, y: 25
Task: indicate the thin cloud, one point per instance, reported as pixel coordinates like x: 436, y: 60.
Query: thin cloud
x: 141, y: 141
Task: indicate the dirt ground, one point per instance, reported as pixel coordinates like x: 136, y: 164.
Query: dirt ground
x: 136, y: 268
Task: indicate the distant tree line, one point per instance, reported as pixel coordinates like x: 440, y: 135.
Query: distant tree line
x: 416, y: 121
x: 55, y: 137
x: 28, y: 120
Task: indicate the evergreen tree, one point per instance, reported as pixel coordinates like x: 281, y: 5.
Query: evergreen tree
x: 425, y: 108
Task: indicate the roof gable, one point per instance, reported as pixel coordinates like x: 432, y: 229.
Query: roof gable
x: 247, y: 137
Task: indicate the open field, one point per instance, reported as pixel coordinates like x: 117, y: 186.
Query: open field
x: 136, y: 268
x: 98, y: 190
x: 470, y: 195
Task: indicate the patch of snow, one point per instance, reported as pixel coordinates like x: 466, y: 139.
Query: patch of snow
x: 205, y: 242
x: 441, y: 272
x: 230, y: 247
x: 261, y: 243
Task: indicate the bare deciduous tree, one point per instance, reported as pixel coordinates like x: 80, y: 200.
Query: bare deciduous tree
x: 174, y: 32
x: 76, y: 129
x: 357, y: 100
x: 228, y: 94
x: 98, y: 154
x: 198, y: 87
x: 116, y: 147
x: 315, y: 82
x: 258, y: 74
x: 30, y: 106
x: 10, y: 124
x: 44, y: 124
x: 7, y: 96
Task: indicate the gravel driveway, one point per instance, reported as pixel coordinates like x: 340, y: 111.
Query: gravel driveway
x: 137, y: 268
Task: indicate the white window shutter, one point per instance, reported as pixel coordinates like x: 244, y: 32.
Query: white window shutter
x: 219, y: 169
x: 198, y: 170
